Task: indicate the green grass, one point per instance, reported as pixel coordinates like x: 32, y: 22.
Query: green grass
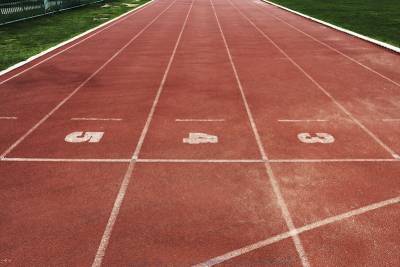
x: 21, y: 40
x: 379, y: 19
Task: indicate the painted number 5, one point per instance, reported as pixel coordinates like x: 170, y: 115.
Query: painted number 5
x: 323, y: 138
x: 83, y: 137
x: 200, y: 138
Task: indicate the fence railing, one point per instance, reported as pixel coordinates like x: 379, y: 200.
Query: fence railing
x: 15, y: 10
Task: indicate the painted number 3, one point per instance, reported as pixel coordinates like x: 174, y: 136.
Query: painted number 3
x: 200, y: 138
x: 323, y: 138
x: 83, y: 137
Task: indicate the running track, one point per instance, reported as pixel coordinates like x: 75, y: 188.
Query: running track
x: 265, y: 189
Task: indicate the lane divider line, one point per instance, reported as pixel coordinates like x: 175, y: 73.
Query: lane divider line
x: 275, y: 186
x: 96, y: 119
x: 300, y: 230
x: 110, y: 23
x: 321, y: 88
x: 22, y: 138
x: 128, y: 175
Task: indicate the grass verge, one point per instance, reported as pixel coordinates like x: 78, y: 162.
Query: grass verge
x: 21, y: 40
x: 376, y: 19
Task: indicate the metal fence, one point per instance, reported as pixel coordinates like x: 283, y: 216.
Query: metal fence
x: 15, y: 10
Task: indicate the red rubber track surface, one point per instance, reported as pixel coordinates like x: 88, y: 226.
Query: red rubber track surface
x: 248, y: 73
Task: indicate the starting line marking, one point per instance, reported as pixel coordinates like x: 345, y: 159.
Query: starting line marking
x: 201, y: 160
x: 63, y: 160
x: 96, y: 119
x: 296, y: 231
x: 198, y: 160
x: 317, y: 120
x: 8, y: 118
x: 199, y: 120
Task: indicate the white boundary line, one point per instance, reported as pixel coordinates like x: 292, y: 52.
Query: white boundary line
x: 8, y: 118
x: 196, y: 160
x: 275, y: 186
x: 62, y: 160
x: 330, y: 47
x: 201, y: 160
x: 128, y: 175
x: 330, y: 160
x: 200, y: 120
x: 125, y: 15
x: 305, y: 228
x: 360, y: 36
x: 321, y: 88
x: 22, y: 138
x: 96, y: 119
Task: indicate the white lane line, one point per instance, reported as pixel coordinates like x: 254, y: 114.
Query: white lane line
x: 275, y: 186
x: 201, y: 160
x: 302, y: 120
x: 96, y: 119
x: 306, y: 228
x: 128, y: 176
x: 22, y: 138
x: 393, y: 48
x: 110, y: 23
x: 8, y: 118
x: 391, y: 120
x: 63, y: 160
x: 319, y: 86
x: 330, y: 160
x: 199, y: 120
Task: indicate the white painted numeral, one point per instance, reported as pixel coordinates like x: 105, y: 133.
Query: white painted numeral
x: 82, y: 137
x: 200, y: 138
x: 323, y: 138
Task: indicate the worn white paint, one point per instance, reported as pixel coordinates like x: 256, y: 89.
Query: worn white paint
x: 275, y: 186
x: 129, y: 173
x: 323, y: 138
x: 282, y: 236
x: 200, y: 138
x: 96, y: 119
x: 84, y: 137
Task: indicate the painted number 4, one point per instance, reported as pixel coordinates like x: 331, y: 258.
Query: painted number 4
x: 200, y: 138
x: 323, y: 138
x: 83, y: 137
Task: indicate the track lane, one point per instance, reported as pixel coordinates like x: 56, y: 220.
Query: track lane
x: 201, y: 85
x: 33, y: 94
x: 52, y: 214
x: 365, y: 98
x: 369, y: 240
x: 123, y: 90
x: 184, y: 214
x: 277, y: 90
